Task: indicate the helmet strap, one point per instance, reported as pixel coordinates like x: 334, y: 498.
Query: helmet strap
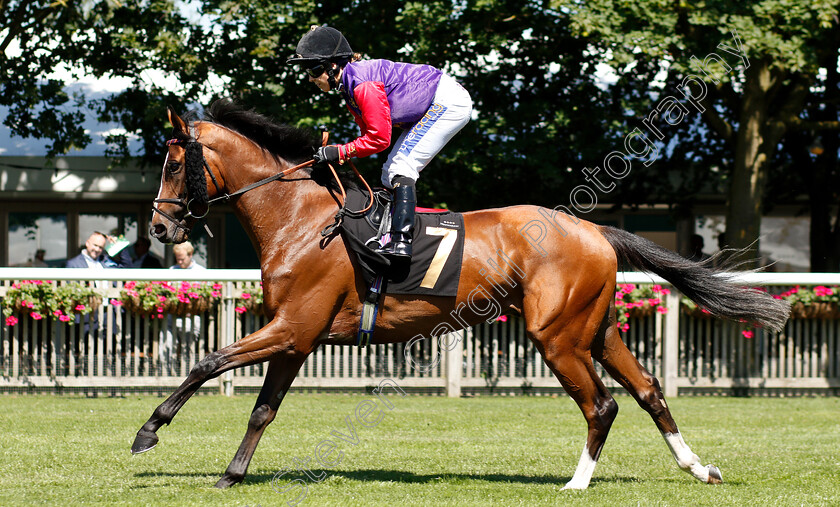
x: 331, y: 77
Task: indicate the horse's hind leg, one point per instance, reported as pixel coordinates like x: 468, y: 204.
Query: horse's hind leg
x: 279, y: 377
x: 626, y: 370
x: 571, y: 363
x: 254, y: 348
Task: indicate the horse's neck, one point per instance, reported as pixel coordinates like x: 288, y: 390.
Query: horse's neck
x: 282, y: 215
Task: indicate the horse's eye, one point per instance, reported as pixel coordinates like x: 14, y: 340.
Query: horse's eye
x: 173, y: 167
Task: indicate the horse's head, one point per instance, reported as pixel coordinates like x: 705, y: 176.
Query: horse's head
x: 182, y: 199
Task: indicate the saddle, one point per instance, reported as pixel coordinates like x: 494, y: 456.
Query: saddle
x: 438, y: 243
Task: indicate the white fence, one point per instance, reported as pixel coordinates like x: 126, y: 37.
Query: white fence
x: 116, y: 350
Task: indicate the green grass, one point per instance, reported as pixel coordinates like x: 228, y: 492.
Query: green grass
x: 426, y: 451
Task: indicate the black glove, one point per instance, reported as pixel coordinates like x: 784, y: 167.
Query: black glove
x: 326, y: 154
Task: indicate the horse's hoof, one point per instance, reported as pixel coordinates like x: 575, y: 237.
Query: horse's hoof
x: 144, y: 441
x: 227, y: 481
x: 714, y: 475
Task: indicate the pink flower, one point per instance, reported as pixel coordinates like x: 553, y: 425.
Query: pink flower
x: 64, y: 318
x: 216, y: 294
x: 245, y: 295
x: 654, y: 301
x: 627, y: 315
x: 58, y: 313
x: 162, y: 299
x: 194, y: 295
x: 628, y: 288
x: 130, y: 285
x: 11, y: 320
x: 665, y: 291
x: 80, y: 308
x: 15, y: 286
x: 36, y: 315
x: 823, y: 291
x: 217, y: 286
x: 183, y: 299
x: 116, y: 302
x: 625, y: 327
x: 240, y: 309
x: 502, y: 318
x: 619, y: 303
x: 747, y: 334
x: 662, y: 309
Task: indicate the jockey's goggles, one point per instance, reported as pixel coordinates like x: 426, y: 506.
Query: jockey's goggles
x: 316, y: 71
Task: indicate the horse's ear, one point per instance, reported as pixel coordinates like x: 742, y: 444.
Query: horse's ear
x: 177, y: 123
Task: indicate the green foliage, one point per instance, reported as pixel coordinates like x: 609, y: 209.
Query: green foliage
x: 40, y: 299
x: 640, y: 300
x: 155, y: 299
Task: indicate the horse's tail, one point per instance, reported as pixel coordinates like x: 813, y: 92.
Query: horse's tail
x: 710, y: 287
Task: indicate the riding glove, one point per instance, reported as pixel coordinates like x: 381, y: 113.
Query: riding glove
x: 327, y: 154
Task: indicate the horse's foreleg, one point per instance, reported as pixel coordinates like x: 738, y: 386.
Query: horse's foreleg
x: 279, y: 377
x: 254, y: 348
x: 626, y: 370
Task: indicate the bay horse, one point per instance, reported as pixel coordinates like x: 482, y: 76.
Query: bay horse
x: 314, y: 296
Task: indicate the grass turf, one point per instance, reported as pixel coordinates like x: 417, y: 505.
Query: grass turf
x: 426, y: 451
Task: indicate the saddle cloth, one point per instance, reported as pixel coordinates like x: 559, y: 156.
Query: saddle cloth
x: 438, y: 248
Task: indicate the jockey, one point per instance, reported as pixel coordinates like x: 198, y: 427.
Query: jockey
x: 429, y: 105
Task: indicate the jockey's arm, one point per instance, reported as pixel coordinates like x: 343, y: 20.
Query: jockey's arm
x: 374, y: 122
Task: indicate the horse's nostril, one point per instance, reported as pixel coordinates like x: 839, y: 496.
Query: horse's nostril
x: 157, y: 231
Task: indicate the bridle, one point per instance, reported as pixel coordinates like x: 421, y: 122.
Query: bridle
x: 193, y: 143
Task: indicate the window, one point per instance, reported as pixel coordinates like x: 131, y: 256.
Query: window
x: 37, y: 239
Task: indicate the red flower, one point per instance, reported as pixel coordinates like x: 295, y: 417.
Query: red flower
x: 11, y: 320
x: 747, y: 334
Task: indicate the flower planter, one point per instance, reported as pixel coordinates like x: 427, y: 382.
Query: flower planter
x: 180, y: 309
x: 640, y: 311
x: 253, y: 307
x: 817, y: 310
x: 696, y: 312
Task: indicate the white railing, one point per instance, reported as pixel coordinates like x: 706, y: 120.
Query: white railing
x: 124, y: 351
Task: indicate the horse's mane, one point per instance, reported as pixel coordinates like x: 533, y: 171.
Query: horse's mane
x: 293, y: 144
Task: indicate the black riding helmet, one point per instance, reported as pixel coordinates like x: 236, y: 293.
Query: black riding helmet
x: 319, y: 48
x: 321, y: 44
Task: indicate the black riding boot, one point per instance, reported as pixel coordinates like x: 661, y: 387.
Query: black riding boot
x: 402, y: 220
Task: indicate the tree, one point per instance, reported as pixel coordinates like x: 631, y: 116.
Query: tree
x: 749, y: 108
x: 40, y: 42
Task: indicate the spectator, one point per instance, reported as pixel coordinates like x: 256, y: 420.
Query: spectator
x: 184, y: 257
x: 94, y: 256
x: 187, y: 327
x: 142, y: 257
x: 39, y: 261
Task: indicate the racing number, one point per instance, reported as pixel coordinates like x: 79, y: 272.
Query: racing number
x: 442, y: 253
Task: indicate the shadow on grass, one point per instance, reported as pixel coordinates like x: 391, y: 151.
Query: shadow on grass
x: 396, y: 476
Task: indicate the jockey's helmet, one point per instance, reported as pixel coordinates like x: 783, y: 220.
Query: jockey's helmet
x: 321, y: 44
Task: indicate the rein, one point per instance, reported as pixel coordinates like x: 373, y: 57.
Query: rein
x: 327, y: 231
